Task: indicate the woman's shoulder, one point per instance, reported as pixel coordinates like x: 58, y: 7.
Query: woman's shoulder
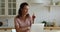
x: 15, y: 17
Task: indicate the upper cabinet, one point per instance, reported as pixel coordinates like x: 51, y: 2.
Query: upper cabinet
x: 2, y: 7
x: 7, y: 7
x: 11, y: 7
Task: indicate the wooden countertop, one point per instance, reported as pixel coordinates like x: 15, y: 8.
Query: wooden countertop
x: 6, y: 28
x: 52, y: 28
x: 45, y: 28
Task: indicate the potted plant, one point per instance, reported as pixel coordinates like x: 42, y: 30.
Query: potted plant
x: 44, y: 23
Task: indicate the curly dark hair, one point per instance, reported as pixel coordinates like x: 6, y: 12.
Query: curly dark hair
x: 21, y: 7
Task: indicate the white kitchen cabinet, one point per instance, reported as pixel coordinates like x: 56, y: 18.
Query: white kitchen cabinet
x: 7, y: 7
x: 2, y: 7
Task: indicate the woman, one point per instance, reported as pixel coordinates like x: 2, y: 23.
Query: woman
x: 23, y: 20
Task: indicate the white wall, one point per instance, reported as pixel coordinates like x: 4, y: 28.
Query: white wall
x: 55, y: 14
x: 43, y: 13
x: 40, y: 12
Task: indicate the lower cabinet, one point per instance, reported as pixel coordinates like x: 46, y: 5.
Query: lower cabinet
x: 5, y: 30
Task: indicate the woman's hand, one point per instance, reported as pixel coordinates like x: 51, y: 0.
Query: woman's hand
x: 25, y: 28
x: 33, y: 17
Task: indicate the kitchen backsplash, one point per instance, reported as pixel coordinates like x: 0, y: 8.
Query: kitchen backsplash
x: 7, y: 22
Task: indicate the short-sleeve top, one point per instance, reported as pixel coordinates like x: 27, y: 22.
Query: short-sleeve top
x: 22, y: 24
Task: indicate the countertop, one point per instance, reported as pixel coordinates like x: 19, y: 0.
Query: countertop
x: 45, y: 28
x: 52, y: 28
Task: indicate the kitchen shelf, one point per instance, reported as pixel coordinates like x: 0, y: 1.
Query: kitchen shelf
x: 55, y: 5
x: 51, y: 5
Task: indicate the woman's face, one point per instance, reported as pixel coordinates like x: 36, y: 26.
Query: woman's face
x: 25, y: 9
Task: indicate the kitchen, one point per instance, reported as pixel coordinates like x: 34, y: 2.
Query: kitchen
x: 44, y: 10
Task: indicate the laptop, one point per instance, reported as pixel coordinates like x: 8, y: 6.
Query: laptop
x: 37, y: 28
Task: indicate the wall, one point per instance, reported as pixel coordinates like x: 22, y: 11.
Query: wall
x: 43, y: 13
x: 40, y: 12
x: 54, y: 13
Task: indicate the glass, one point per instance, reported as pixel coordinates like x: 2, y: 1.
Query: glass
x: 9, y: 11
x: 14, y: 0
x: 14, y: 5
x: 2, y: 11
x: 2, y: 4
x: 14, y: 11
x: 9, y: 0
x: 9, y: 5
x: 2, y: 0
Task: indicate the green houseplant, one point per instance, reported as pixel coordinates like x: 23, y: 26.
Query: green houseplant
x: 44, y: 23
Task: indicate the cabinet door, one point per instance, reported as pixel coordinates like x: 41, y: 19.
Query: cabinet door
x: 2, y: 7
x: 11, y: 7
x: 7, y: 7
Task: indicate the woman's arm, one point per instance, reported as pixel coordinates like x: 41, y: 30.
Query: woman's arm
x: 16, y: 25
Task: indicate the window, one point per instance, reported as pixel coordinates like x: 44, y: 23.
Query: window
x: 8, y: 7
x: 11, y: 7
x: 2, y: 7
